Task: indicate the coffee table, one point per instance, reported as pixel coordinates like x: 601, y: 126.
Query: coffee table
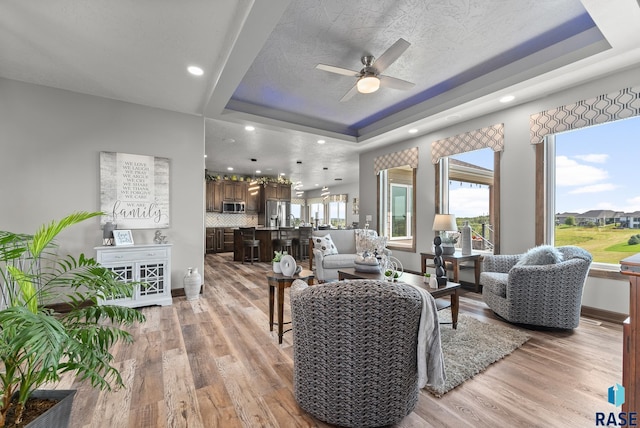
x: 280, y: 281
x: 451, y: 289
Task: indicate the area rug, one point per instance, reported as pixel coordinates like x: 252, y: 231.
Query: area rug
x: 473, y: 347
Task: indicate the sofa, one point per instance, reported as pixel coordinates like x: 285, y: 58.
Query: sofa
x: 355, y: 350
x: 336, y: 249
x: 527, y: 289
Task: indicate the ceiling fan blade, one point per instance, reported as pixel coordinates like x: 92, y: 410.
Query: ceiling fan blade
x: 394, y: 83
x: 338, y: 70
x: 350, y: 94
x: 390, y: 55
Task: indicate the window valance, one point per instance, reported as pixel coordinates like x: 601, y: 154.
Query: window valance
x: 491, y: 136
x: 393, y: 160
x: 604, y: 108
x: 338, y: 198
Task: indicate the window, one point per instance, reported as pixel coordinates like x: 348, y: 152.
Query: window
x: 468, y: 194
x: 593, y: 201
x: 316, y: 212
x: 338, y: 211
x: 397, y: 211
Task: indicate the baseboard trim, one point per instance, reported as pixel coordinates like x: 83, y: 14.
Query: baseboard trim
x: 603, y: 315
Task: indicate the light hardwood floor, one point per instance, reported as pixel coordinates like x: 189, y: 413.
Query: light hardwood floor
x: 214, y: 363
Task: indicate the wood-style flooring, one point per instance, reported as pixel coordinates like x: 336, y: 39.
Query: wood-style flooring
x: 214, y: 363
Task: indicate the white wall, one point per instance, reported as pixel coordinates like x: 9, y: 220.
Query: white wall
x: 517, y: 211
x: 50, y: 141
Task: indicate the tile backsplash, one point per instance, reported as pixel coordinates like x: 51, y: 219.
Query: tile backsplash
x: 230, y: 220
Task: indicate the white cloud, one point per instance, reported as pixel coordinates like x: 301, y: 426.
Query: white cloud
x: 571, y: 173
x: 595, y: 188
x: 633, y: 204
x: 594, y: 157
x: 468, y: 201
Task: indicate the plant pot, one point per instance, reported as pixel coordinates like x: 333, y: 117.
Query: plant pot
x: 58, y: 416
x: 276, y: 267
x: 192, y: 283
x: 448, y: 250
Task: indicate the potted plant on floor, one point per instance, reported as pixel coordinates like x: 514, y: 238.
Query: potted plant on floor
x: 38, y: 344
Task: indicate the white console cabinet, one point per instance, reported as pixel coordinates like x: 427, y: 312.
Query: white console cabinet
x: 149, y: 264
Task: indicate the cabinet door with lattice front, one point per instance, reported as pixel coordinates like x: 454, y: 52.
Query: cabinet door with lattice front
x: 125, y: 273
x: 152, y: 277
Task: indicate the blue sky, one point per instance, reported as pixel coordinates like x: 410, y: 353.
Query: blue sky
x: 599, y: 168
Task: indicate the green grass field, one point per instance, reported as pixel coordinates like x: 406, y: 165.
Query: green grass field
x: 606, y: 244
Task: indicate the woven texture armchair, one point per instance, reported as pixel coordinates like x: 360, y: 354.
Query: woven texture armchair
x: 354, y: 351
x: 542, y: 295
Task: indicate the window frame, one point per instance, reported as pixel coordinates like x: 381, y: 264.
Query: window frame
x: 393, y: 245
x: 442, y: 176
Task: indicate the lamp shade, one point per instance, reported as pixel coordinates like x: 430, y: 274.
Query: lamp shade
x: 445, y: 223
x: 368, y: 84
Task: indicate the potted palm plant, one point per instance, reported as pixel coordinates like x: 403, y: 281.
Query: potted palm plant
x: 38, y: 344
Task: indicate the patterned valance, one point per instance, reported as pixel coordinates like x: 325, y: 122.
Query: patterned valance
x: 393, y: 160
x: 604, y: 108
x: 491, y: 136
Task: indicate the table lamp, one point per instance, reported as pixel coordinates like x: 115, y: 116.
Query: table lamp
x: 441, y: 223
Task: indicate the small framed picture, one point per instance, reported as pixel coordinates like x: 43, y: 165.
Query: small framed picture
x: 122, y: 237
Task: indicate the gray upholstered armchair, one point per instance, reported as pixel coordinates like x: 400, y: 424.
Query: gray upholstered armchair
x: 547, y: 295
x: 354, y: 351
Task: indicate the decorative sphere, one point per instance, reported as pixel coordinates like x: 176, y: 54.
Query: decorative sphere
x: 438, y: 250
x: 437, y: 241
x: 440, y: 271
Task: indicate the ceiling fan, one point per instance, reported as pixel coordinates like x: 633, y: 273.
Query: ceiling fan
x: 370, y: 78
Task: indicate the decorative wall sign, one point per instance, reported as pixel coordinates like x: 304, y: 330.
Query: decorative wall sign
x: 134, y: 190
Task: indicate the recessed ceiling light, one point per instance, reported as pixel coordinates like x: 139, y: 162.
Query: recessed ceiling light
x: 196, y: 71
x: 205, y: 156
x: 282, y: 173
x: 258, y: 171
x: 413, y: 131
x: 249, y: 128
x: 321, y: 141
x: 507, y: 99
x: 230, y: 168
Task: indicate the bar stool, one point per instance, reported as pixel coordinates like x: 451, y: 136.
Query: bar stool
x: 285, y: 240
x: 303, y: 241
x: 250, y: 242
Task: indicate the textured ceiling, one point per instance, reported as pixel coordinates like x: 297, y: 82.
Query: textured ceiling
x: 452, y: 42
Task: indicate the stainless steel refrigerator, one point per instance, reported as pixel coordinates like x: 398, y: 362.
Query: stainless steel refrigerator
x: 277, y: 213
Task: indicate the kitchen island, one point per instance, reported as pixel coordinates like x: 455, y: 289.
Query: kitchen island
x: 266, y: 235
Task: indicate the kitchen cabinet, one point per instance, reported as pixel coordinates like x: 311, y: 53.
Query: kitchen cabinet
x: 219, y: 239
x: 214, y: 196
x: 148, y: 264
x: 252, y: 205
x: 235, y: 191
x: 276, y: 191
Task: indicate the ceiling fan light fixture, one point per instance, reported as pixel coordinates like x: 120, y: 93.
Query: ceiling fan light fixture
x: 368, y: 84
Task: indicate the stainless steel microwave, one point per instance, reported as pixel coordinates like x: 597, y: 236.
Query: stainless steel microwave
x: 233, y: 207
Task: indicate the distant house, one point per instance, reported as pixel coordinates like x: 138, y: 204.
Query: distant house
x: 597, y: 217
x: 562, y: 217
x: 630, y: 220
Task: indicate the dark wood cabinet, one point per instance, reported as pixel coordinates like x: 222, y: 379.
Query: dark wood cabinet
x: 215, y: 240
x: 252, y: 205
x: 274, y: 191
x: 631, y: 342
x: 214, y: 196
x: 235, y: 191
x: 227, y: 239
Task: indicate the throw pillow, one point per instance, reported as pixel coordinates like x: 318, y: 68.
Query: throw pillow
x: 364, y: 240
x: 541, y: 255
x: 324, y: 244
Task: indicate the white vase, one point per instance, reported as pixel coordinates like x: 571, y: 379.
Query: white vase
x: 466, y: 239
x: 192, y: 283
x: 276, y: 267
